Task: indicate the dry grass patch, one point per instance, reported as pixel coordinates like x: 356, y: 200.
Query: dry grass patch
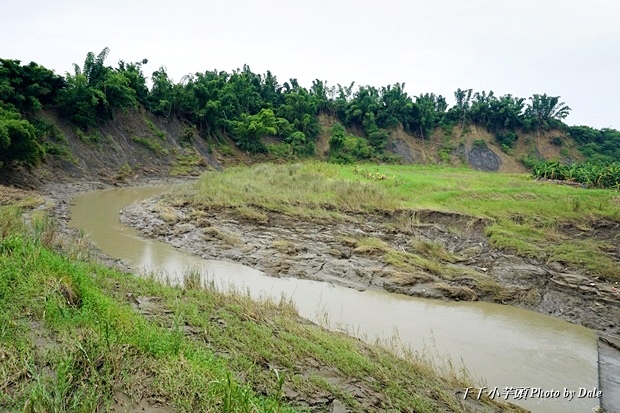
x: 18, y: 197
x: 457, y: 292
x: 371, y: 246
x: 166, y: 213
x: 434, y: 250
x: 228, y: 237
x: 252, y: 214
x: 287, y: 247
x: 490, y: 287
x: 406, y: 222
x: 411, y: 278
x: 295, y: 189
x: 412, y: 262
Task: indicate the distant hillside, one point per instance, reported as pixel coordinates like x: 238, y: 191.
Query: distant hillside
x: 473, y: 146
x: 105, y: 122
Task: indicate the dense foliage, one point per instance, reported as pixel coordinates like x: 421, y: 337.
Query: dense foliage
x: 23, y: 91
x: 18, y: 140
x: 588, y: 174
x: 247, y: 107
x: 92, y: 92
x: 600, y: 146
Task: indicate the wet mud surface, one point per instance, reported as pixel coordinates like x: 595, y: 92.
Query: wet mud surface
x: 422, y: 253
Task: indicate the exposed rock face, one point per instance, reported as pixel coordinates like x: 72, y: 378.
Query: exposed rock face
x: 402, y: 150
x: 483, y: 159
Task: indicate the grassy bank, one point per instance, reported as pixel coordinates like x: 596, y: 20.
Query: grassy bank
x: 78, y: 336
x: 549, y: 222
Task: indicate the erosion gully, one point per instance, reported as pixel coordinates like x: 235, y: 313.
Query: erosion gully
x: 504, y: 346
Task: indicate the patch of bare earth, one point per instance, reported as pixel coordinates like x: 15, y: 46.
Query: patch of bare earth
x: 124, y: 403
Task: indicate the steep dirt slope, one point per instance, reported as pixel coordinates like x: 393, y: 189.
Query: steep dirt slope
x: 477, y: 148
x: 472, y: 146
x: 134, y: 144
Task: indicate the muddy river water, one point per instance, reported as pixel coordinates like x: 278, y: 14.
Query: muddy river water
x: 506, y: 347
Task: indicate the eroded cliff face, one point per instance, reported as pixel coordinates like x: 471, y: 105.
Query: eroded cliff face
x: 135, y: 144
x: 477, y: 148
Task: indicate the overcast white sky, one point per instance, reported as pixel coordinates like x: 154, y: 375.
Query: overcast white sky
x: 568, y: 48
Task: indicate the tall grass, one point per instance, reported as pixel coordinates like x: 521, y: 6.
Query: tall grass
x: 525, y: 215
x: 75, y: 335
x: 291, y: 188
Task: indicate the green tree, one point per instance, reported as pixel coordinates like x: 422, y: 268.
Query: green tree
x: 161, y: 98
x: 396, y: 108
x: 300, y: 110
x: 505, y: 114
x: 431, y: 110
x: 336, y: 141
x: 249, y: 130
x: 29, y: 87
x: 321, y: 93
x: 300, y: 145
x: 118, y: 91
x: 546, y: 111
x: 135, y: 79
x: 94, y: 91
x: 79, y: 102
x: 18, y: 140
x: 379, y: 139
x: 270, y: 90
x: 461, y: 110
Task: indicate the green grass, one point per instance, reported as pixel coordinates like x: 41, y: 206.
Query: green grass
x: 152, y: 144
x: 310, y: 189
x: 187, y: 164
x: 494, y: 195
x: 93, y: 138
x: 524, y: 215
x: 74, y: 335
x: 155, y: 130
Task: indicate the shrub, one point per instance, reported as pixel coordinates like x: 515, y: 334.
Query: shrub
x: 508, y: 139
x: 151, y: 144
x: 479, y: 143
x: 557, y: 141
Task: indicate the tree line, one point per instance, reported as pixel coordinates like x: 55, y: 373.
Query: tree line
x: 247, y: 106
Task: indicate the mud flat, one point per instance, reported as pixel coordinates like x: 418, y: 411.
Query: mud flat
x: 366, y: 251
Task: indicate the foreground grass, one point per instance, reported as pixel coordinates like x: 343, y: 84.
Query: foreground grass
x: 531, y: 218
x: 78, y: 336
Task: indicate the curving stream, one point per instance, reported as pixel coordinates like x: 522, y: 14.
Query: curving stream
x: 507, y: 346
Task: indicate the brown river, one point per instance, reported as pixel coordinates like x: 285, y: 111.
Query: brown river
x: 541, y: 358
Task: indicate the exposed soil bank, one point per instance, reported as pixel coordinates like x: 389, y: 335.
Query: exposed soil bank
x: 379, y: 251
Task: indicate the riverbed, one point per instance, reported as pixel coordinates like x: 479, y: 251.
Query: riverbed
x: 506, y: 346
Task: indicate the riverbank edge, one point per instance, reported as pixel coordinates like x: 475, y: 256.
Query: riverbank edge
x: 567, y: 296
x: 57, y: 199
x: 61, y: 195
x: 141, y: 216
